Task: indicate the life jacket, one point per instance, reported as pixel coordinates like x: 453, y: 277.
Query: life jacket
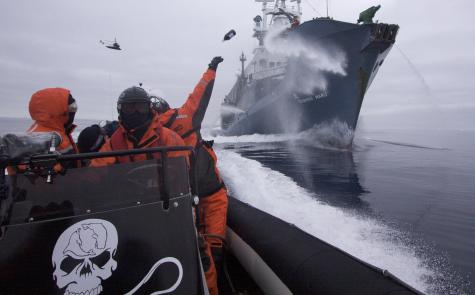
x: 155, y: 136
x: 118, y: 141
x: 191, y: 136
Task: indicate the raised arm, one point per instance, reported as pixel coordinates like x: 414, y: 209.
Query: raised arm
x: 197, y: 102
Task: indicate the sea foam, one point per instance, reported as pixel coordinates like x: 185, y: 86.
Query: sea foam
x: 363, y: 237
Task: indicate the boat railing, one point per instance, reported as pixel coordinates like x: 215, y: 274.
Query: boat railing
x: 58, y: 158
x: 167, y: 175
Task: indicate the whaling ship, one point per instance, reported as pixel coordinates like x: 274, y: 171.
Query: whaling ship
x: 305, y: 74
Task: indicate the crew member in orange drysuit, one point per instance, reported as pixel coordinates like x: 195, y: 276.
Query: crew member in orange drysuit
x: 186, y: 121
x: 139, y: 128
x: 53, y: 110
x: 295, y: 22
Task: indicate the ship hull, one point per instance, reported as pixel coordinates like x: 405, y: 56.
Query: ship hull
x: 280, y: 108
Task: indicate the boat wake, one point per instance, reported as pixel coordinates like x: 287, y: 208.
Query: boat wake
x: 365, y: 238
x: 332, y: 135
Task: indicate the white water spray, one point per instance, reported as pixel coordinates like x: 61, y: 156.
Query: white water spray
x: 365, y: 238
x: 232, y: 110
x: 328, y: 135
x: 309, y: 66
x: 316, y: 60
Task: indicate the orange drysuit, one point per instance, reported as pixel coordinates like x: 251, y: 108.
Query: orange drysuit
x: 49, y: 110
x: 155, y: 136
x: 186, y: 121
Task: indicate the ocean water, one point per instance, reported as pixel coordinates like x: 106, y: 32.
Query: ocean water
x: 19, y: 125
x: 403, y: 200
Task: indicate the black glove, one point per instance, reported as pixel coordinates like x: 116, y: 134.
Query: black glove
x: 213, y: 65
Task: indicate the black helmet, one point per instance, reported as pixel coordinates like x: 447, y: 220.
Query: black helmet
x: 159, y: 104
x: 90, y: 139
x: 133, y: 94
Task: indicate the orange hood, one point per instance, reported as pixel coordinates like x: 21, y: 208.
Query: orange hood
x: 49, y: 107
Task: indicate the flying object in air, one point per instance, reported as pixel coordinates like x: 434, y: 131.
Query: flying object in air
x: 111, y: 45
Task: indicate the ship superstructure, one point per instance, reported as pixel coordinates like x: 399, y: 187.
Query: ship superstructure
x: 304, y: 74
x: 263, y: 64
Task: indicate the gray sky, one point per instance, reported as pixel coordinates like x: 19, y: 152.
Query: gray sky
x: 167, y: 46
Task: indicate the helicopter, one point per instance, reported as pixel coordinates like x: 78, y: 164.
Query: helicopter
x: 111, y: 45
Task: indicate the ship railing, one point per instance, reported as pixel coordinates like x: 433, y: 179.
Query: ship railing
x: 276, y: 71
x: 384, y: 32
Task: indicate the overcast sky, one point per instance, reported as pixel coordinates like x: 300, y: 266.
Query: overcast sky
x: 168, y: 44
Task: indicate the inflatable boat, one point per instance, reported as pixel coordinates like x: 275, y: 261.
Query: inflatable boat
x: 129, y: 229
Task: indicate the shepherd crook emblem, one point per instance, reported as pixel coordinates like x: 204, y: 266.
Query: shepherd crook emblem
x: 152, y: 270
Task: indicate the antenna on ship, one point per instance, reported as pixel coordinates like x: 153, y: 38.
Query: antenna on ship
x: 327, y: 10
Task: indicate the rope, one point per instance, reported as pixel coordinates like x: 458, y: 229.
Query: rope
x: 313, y: 8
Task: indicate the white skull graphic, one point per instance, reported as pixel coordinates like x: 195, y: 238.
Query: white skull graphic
x: 83, y: 256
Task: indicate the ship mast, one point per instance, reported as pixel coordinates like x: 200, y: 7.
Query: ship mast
x: 242, y: 58
x: 327, y: 9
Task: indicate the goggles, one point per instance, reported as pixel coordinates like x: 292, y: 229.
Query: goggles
x: 72, y: 108
x: 134, y: 107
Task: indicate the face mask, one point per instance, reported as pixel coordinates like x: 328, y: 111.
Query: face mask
x: 72, y: 109
x: 134, y: 120
x: 70, y: 121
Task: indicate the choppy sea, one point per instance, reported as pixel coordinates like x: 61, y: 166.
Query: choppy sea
x: 401, y: 199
